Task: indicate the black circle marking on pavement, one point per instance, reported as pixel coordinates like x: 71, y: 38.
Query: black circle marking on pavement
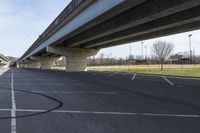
x: 60, y: 104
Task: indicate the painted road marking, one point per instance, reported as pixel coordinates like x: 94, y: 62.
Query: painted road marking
x: 13, y: 110
x: 112, y: 113
x: 68, y: 92
x: 107, y: 113
x: 5, y: 109
x: 38, y: 83
x: 167, y: 80
x: 133, y: 76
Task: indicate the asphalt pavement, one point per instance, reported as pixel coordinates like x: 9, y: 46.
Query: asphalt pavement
x: 39, y: 101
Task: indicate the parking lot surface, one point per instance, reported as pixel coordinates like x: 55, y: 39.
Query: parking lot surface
x: 36, y: 101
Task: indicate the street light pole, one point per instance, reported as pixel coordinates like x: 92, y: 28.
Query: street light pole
x: 130, y: 53
x: 191, y: 60
x: 145, y: 52
x: 142, y: 49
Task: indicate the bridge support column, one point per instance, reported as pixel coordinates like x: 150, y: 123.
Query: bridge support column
x: 76, y: 62
x: 29, y: 64
x: 21, y: 65
x: 25, y: 65
x: 46, y: 65
x: 76, y: 58
x: 45, y: 62
x: 34, y: 64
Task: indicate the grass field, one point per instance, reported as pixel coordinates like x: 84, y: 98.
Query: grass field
x: 190, y: 72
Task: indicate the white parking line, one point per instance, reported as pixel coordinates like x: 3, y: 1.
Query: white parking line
x: 68, y: 92
x: 108, y: 113
x: 113, y: 113
x: 133, y: 76
x: 13, y: 110
x: 5, y: 109
x: 39, y: 84
x: 167, y: 80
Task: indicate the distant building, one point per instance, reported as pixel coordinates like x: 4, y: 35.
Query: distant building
x: 180, y: 58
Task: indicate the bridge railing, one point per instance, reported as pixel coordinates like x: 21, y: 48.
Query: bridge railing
x: 67, y: 11
x: 63, y: 15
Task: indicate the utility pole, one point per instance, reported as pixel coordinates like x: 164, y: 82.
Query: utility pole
x: 191, y: 60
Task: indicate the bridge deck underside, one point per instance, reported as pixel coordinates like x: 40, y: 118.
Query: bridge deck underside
x: 130, y: 22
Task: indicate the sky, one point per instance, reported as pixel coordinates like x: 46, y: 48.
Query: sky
x: 22, y: 21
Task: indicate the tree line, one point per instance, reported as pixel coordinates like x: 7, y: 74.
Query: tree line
x: 161, y: 54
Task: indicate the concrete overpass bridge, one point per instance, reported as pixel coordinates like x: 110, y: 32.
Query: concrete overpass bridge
x: 85, y: 26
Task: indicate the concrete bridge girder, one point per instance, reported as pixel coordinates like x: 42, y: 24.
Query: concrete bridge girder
x: 76, y: 58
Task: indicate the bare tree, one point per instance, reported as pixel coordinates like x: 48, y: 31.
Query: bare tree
x: 162, y: 50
